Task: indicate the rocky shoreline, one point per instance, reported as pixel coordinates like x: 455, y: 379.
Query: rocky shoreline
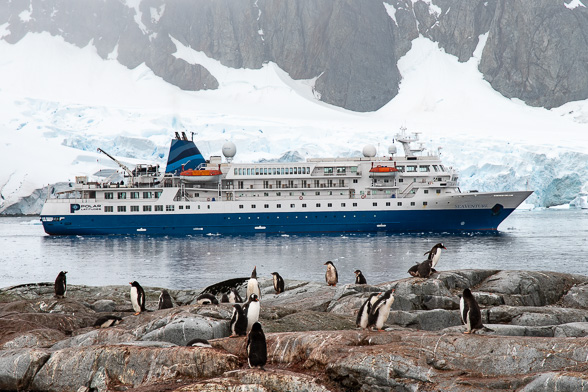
x: 539, y: 343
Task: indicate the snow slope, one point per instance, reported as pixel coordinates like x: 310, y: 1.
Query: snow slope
x: 58, y: 103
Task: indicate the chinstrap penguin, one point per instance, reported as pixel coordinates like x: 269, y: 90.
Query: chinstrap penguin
x: 107, y: 321
x: 238, y: 322
x: 61, y: 285
x: 380, y: 310
x: 278, y: 283
x: 165, y: 300
x: 470, y: 313
x: 256, y: 347
x: 359, y: 278
x: 206, y: 299
x: 253, y: 284
x: 252, y: 309
x: 331, y: 276
x: 364, y: 311
x: 137, y: 297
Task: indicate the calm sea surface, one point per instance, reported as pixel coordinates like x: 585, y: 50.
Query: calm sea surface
x: 550, y: 240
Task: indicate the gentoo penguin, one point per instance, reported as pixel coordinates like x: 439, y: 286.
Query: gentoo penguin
x: 278, y: 283
x: 380, y: 310
x: 238, y: 322
x: 364, y: 311
x: 234, y: 297
x: 253, y: 284
x: 252, y: 309
x: 359, y: 278
x: 60, y: 285
x: 435, y: 254
x: 470, y: 313
x: 165, y: 300
x: 424, y: 269
x: 137, y: 297
x: 198, y: 342
x: 256, y: 347
x: 331, y: 275
x: 107, y: 321
x: 413, y: 271
x: 206, y: 299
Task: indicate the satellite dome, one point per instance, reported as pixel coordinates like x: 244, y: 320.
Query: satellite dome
x: 229, y: 150
x: 369, y: 151
x: 392, y: 150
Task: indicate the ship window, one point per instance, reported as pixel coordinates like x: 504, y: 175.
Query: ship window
x: 330, y: 205
x: 180, y: 207
x: 146, y: 195
x: 265, y: 170
x: 265, y: 193
x: 387, y: 204
x: 318, y: 204
x: 278, y: 193
x: 295, y: 170
x: 399, y: 204
x: 340, y: 170
x: 342, y: 204
x: 328, y: 170
x: 442, y: 167
x: 157, y: 195
x: 400, y: 168
x: 425, y: 203
x: 292, y: 205
x: 134, y: 195
x: 278, y: 206
x: 248, y: 171
x: 256, y: 171
x: 424, y: 168
x: 266, y: 206
x: 435, y: 168
x: 355, y: 181
x: 235, y: 171
x: 252, y: 205
x: 400, y: 180
x: 122, y: 195
x: 108, y: 209
x: 303, y: 205
x: 354, y: 204
x: 375, y: 204
x: 208, y: 206
x: 187, y: 207
x: 411, y: 168
x: 146, y: 208
x: 291, y: 170
x: 308, y: 170
x: 169, y: 207
x: 108, y: 195
x: 412, y: 203
x: 317, y: 193
x: 134, y: 208
x: 158, y: 208
x: 241, y: 206
x: 121, y: 208
x: 426, y: 191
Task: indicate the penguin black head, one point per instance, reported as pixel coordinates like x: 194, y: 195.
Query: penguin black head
x: 62, y: 273
x: 440, y: 245
x: 357, y: 272
x: 467, y: 294
x: 253, y: 297
x: 388, y: 293
x: 134, y: 283
x: 256, y: 327
x: 329, y: 263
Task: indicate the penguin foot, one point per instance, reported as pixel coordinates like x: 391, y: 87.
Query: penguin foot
x: 138, y: 313
x: 468, y: 332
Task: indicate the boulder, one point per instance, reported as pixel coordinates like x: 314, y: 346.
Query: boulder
x: 577, y: 297
x: 18, y: 367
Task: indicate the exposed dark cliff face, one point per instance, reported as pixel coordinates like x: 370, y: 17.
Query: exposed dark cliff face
x: 536, y: 50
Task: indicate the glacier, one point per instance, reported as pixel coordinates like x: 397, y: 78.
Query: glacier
x: 59, y: 103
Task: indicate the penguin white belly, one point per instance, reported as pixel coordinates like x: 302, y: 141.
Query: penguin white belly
x: 383, y: 313
x: 461, y: 310
x: 252, y: 314
x: 435, y: 258
x: 135, y: 300
x: 253, y: 287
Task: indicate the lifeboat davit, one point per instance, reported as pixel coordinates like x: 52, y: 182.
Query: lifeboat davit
x: 383, y: 171
x: 200, y: 175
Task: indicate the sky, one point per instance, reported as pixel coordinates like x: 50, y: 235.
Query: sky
x: 58, y: 103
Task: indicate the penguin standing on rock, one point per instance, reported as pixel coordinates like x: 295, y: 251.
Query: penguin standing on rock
x: 256, y: 347
x: 252, y: 309
x: 60, y: 285
x: 381, y: 310
x: 278, y: 283
x: 231, y: 297
x: 165, y: 301
x: 470, y: 313
x: 359, y: 278
x: 435, y: 254
x: 364, y: 311
x: 253, y: 284
x: 137, y: 297
x: 331, y: 276
x: 238, y: 322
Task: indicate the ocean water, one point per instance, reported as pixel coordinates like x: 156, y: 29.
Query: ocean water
x: 545, y: 240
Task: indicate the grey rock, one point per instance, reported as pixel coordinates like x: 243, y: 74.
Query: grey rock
x: 577, y: 297
x: 430, y: 320
x: 534, y: 316
x: 571, y: 330
x: 18, y: 367
x: 557, y: 381
x: 181, y: 330
x: 104, y: 305
x: 96, y: 337
x: 312, y: 296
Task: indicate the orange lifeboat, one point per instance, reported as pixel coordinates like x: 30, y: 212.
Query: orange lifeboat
x: 382, y: 171
x: 200, y: 175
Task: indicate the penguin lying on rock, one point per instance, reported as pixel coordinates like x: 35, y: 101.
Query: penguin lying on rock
x: 107, y: 321
x: 422, y: 270
x: 206, y: 299
x: 198, y: 342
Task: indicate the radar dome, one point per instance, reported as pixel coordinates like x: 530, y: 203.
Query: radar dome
x: 392, y: 150
x: 369, y: 151
x: 229, y: 150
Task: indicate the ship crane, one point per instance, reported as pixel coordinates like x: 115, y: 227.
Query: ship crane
x: 123, y: 166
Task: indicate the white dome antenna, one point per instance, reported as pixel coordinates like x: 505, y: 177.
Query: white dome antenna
x: 369, y: 151
x: 229, y: 150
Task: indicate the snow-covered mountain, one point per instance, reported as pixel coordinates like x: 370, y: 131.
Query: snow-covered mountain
x: 59, y: 103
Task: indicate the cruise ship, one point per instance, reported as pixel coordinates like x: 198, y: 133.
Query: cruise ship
x: 392, y: 193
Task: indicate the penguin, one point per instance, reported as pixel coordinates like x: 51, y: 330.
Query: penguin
x: 413, y: 271
x: 435, y: 254
x: 165, y: 300
x: 253, y: 284
x: 424, y: 269
x: 364, y: 311
x: 234, y: 297
x: 470, y: 313
x: 278, y: 283
x: 60, y: 285
x: 224, y: 298
x: 331, y: 275
x: 359, y: 278
x: 137, y: 297
x: 380, y: 310
x: 198, y: 342
x: 256, y: 347
x: 107, y: 321
x: 238, y: 322
x: 252, y: 309
x: 206, y: 299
